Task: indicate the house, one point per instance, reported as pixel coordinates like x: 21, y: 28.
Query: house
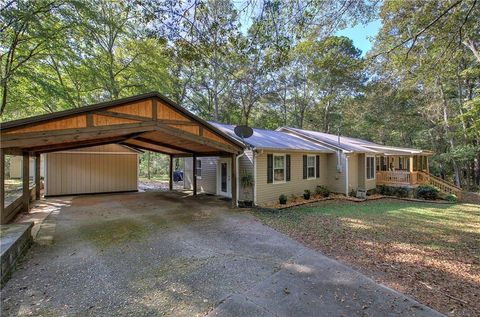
x: 291, y: 160
x: 285, y: 161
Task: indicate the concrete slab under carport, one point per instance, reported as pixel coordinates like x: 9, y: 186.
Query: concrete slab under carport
x: 179, y: 255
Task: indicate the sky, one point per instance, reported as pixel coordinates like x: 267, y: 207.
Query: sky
x: 360, y: 35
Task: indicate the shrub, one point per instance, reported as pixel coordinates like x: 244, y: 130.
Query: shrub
x: 385, y: 190
x: 401, y: 192
x: 353, y: 193
x: 306, y: 194
x: 322, y: 191
x: 282, y: 199
x: 371, y: 192
x: 427, y: 192
x: 452, y: 198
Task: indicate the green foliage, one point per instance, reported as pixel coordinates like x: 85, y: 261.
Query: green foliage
x: 452, y: 198
x: 322, y: 191
x: 306, y: 194
x: 353, y: 193
x: 282, y: 199
x: 401, y: 192
x: 427, y: 192
x: 246, y: 180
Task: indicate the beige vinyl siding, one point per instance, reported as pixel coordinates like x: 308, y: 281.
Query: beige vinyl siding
x: 363, y: 182
x: 82, y: 172
x: 336, y: 180
x: 207, y: 183
x: 245, y: 164
x: 352, y: 172
x: 269, y: 192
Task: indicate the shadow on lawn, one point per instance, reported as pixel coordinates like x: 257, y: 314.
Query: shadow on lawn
x: 427, y: 250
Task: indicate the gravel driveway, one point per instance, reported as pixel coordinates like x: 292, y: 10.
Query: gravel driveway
x: 155, y: 254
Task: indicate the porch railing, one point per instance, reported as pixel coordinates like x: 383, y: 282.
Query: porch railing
x: 406, y: 178
x: 397, y: 178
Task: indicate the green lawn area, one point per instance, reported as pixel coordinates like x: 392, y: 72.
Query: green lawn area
x: 429, y: 251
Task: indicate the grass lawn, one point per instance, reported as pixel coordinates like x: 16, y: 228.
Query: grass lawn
x: 429, y: 251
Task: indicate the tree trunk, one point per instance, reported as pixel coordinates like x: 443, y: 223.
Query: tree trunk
x: 449, y: 137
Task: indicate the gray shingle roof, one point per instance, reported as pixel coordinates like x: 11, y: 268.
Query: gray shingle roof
x: 275, y: 140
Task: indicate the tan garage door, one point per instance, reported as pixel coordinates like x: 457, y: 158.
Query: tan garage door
x: 69, y: 173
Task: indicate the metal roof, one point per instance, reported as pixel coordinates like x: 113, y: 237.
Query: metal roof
x: 349, y: 144
x: 274, y: 140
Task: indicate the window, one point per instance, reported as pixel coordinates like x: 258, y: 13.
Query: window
x: 370, y: 167
x: 311, y: 166
x: 199, y: 168
x: 278, y: 168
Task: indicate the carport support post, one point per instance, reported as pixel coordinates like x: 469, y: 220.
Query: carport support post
x: 194, y: 164
x: 37, y: 176
x: 234, y: 181
x: 26, y: 181
x: 170, y: 172
x: 2, y: 187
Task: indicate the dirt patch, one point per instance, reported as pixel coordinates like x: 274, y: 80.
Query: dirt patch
x: 431, y: 252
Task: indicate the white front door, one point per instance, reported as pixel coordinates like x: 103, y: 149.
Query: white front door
x: 224, y: 186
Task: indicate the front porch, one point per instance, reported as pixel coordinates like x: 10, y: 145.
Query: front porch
x: 410, y: 171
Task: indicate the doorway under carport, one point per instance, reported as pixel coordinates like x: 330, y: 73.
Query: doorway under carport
x: 148, y: 122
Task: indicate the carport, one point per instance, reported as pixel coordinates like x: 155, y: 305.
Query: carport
x: 148, y: 122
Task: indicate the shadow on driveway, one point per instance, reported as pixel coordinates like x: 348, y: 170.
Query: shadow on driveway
x: 151, y: 254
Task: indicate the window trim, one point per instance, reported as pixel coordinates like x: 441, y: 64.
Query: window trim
x: 284, y: 168
x: 197, y: 168
x: 373, y: 167
x: 314, y: 166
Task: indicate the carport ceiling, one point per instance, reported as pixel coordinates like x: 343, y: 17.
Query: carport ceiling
x: 149, y: 121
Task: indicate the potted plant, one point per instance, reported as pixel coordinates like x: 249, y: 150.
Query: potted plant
x: 246, y: 181
x: 306, y: 194
x: 282, y: 199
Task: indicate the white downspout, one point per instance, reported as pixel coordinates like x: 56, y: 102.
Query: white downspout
x: 254, y: 154
x: 237, y: 166
x: 346, y: 175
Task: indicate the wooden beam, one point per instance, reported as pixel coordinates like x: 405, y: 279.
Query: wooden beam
x: 26, y: 182
x: 205, y: 154
x: 122, y: 115
x: 89, y: 120
x: 194, y: 174
x: 196, y: 138
x: 38, y: 180
x: 173, y: 147
x: 76, y: 145
x: 234, y: 180
x: 154, y: 109
x: 141, y: 147
x: 170, y: 173
x: 31, y: 139
x: 2, y: 187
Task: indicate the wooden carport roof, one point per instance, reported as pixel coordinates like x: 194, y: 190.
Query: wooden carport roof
x: 148, y: 121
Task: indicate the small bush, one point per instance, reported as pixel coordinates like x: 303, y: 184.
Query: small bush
x: 371, y: 192
x: 282, y: 199
x: 353, y: 193
x: 427, y: 192
x: 452, y: 198
x: 385, y: 190
x: 322, y: 191
x: 401, y: 192
x: 306, y: 194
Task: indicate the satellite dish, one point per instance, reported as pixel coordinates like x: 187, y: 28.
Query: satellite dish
x: 243, y: 131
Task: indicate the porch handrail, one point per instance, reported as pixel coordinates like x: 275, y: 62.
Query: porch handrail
x: 443, y: 185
